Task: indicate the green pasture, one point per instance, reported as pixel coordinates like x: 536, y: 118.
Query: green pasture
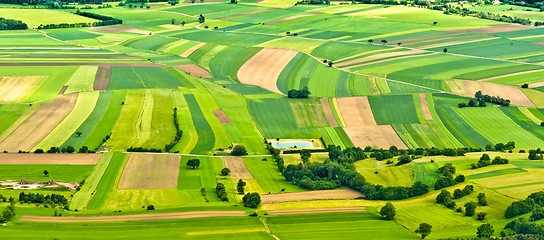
x: 125, y: 131
x: 47, y: 16
x: 71, y: 34
x: 34, y: 172
x: 229, y: 69
x: 519, y: 79
x: 10, y: 113
x: 145, y: 19
x: 206, y: 137
x: 84, y: 106
x: 267, y: 175
x: 425, y: 172
x: 83, y: 197
x: 82, y: 80
x: 378, y: 172
x: 28, y: 38
x: 108, y: 181
x: 144, y: 77
x: 394, y: 109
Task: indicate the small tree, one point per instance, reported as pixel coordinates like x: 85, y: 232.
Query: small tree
x: 225, y: 171
x: 251, y: 200
x: 424, y: 230
x: 240, y: 186
x: 445, y: 50
x: 388, y: 211
x: 183, y: 23
x: 70, y: 149
x: 239, y: 150
x: 46, y: 173
x: 201, y: 19
x: 173, y: 21
x: 384, y: 41
x: 481, y: 216
x: 434, y: 23
x: 78, y: 133
x: 193, y: 163
x: 470, y: 209
x: 370, y: 41
x: 485, y: 231
x: 482, y: 199
x: 399, y: 43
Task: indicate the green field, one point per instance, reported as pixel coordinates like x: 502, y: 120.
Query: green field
x: 413, y: 64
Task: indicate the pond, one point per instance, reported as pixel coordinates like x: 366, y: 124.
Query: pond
x: 292, y: 144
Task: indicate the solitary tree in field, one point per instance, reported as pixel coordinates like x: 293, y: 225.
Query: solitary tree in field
x: 201, y: 19
x: 78, y: 133
x: 251, y: 200
x: 470, y: 209
x: 173, y: 21
x: 193, y: 163
x: 445, y: 50
x: 183, y: 23
x: 225, y: 171
x: 388, y: 211
x: 399, y: 43
x: 240, y: 186
x: 424, y: 230
x: 45, y: 173
x: 370, y: 41
x: 239, y: 150
x: 485, y: 231
x: 384, y: 41
x: 434, y: 23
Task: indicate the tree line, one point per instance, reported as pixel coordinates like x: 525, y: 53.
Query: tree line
x: 10, y: 24
x: 303, y: 93
x: 179, y: 133
x: 533, y: 201
x: 40, y: 198
x: 485, y: 161
x: 104, y: 21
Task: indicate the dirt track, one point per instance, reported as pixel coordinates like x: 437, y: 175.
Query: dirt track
x: 135, y: 217
x: 311, y: 195
x: 195, y: 70
x: 35, y: 128
x: 265, y: 67
x: 57, y: 158
x: 192, y: 49
x: 102, y: 78
x: 238, y: 169
x: 327, y: 110
x: 150, y: 171
x: 425, y: 106
x: 315, y: 211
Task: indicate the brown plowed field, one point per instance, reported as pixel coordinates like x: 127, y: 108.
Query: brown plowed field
x: 292, y: 18
x: 311, y: 195
x: 425, y: 106
x: 192, y: 49
x: 221, y: 116
x: 469, y: 88
x: 238, y: 169
x: 33, y: 130
x: 102, y: 78
x: 57, y: 158
x: 315, y: 211
x: 328, y: 112
x: 195, y: 70
x: 134, y: 217
x: 150, y: 171
x: 361, y: 127
x: 265, y: 67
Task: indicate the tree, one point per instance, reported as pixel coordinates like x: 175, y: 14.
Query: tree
x: 388, y: 211
x: 70, y: 149
x: 201, y: 19
x: 251, y: 200
x: 485, y: 231
x: 481, y: 216
x: 225, y: 171
x: 434, y: 23
x: 482, y: 199
x: 150, y: 207
x: 193, y: 163
x: 470, y: 209
x: 46, y: 173
x: 78, y: 133
x: 399, y: 43
x: 330, y: 63
x: 445, y: 50
x: 240, y: 186
x: 442, y: 196
x: 370, y: 41
x: 183, y: 23
x: 239, y: 150
x: 384, y: 41
x: 173, y: 21
x: 424, y: 230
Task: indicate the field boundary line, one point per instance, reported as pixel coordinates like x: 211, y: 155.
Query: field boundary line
x: 265, y: 224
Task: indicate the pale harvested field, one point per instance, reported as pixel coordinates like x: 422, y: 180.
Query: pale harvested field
x: 135, y: 217
x: 238, y: 169
x: 119, y: 28
x: 192, y: 49
x: 328, y: 112
x: 495, y: 29
x: 361, y: 127
x: 265, y: 67
x: 425, y: 106
x: 536, y: 84
x: 311, y: 195
x: 315, y: 210
x: 195, y: 70
x: 18, y: 88
x: 442, y: 44
x: 393, y: 59
x: 33, y: 130
x: 379, y: 56
x: 511, y: 74
x: 102, y: 78
x: 57, y: 158
x: 221, y: 116
x: 469, y: 88
x: 292, y: 18
x: 150, y: 171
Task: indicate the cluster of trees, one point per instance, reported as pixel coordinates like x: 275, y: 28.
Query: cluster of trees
x: 501, y: 147
x: 535, y: 200
x: 326, y: 2
x: 40, y: 198
x: 7, y: 214
x: 221, y: 192
x: 193, y: 163
x: 277, y: 158
x: 339, y: 171
x: 535, y: 154
x: 523, y: 226
x: 491, y: 99
x: 251, y: 200
x: 240, y: 187
x: 303, y: 93
x: 10, y: 24
x: 484, y: 15
x: 472, y: 103
x: 179, y: 133
x: 404, y: 159
x: 446, y: 177
x: 141, y: 149
x: 238, y: 150
x: 104, y: 21
x: 459, y: 193
x: 485, y: 161
x: 68, y: 149
x: 381, y: 154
